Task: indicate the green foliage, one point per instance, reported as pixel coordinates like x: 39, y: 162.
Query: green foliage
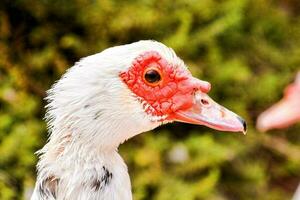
x: 248, y: 49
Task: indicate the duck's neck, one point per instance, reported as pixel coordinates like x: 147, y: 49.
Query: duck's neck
x: 80, y: 160
x: 72, y: 170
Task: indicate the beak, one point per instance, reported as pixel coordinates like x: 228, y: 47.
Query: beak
x: 284, y: 113
x: 204, y: 111
x: 281, y: 115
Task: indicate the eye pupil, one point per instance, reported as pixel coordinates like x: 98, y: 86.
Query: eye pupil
x: 152, y: 76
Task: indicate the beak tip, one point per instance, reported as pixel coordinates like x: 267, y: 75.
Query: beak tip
x: 243, y: 122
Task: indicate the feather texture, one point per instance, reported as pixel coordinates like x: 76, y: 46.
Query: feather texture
x: 90, y: 112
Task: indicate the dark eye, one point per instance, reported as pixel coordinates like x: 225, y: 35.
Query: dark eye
x: 152, y: 76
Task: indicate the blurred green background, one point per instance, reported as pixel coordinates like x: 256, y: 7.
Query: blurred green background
x: 248, y: 49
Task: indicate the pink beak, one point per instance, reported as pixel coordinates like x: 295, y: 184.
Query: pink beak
x: 280, y: 115
x: 205, y: 111
x: 284, y: 113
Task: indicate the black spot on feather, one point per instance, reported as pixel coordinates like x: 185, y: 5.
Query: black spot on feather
x: 99, y: 184
x: 107, y: 176
x: 96, y: 184
x: 48, y: 187
x: 97, y: 114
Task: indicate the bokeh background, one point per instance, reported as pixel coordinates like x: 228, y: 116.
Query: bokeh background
x: 248, y: 49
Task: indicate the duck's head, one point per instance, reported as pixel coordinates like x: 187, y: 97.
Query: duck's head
x: 284, y: 113
x: 109, y: 97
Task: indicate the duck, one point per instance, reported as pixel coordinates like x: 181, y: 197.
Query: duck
x: 285, y: 112
x: 108, y: 98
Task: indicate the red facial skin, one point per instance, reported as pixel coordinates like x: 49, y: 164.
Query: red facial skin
x: 177, y: 95
x: 175, y: 90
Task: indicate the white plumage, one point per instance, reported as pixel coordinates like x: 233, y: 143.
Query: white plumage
x: 90, y: 112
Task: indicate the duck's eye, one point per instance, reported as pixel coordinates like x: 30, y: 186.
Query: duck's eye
x: 152, y: 76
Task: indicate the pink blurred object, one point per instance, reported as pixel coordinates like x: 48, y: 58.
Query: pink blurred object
x: 284, y: 113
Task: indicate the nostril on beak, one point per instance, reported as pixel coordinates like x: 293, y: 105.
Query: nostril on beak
x: 243, y: 122
x: 204, y: 102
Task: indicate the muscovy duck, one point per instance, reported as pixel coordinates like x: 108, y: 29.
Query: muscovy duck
x: 284, y: 113
x: 107, y: 98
